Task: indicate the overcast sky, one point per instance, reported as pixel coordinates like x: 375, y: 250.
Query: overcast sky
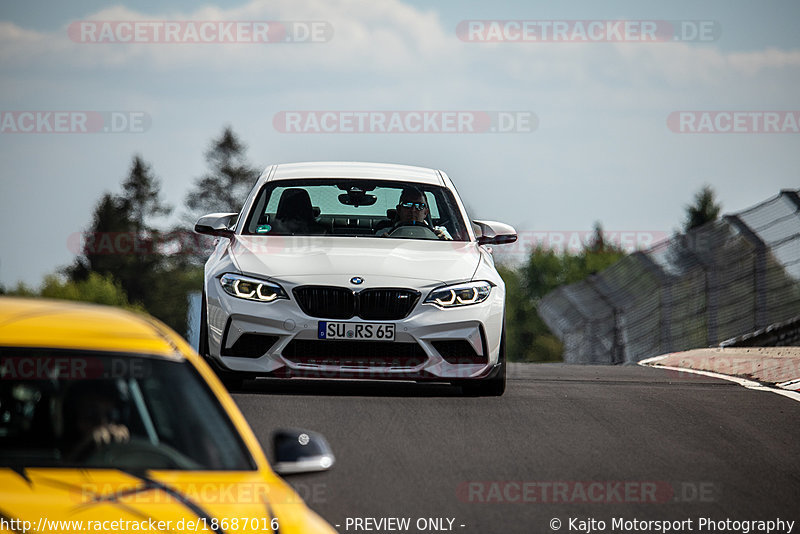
x: 602, y: 147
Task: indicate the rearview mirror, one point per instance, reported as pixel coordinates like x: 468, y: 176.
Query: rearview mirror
x: 218, y: 224
x: 495, y: 233
x: 300, y: 451
x: 356, y: 196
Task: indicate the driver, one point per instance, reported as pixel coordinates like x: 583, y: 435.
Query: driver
x: 91, y: 413
x: 412, y: 208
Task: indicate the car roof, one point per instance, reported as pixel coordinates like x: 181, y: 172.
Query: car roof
x: 356, y: 169
x: 64, y: 324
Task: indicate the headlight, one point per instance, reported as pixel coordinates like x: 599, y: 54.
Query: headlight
x: 460, y: 294
x: 247, y: 288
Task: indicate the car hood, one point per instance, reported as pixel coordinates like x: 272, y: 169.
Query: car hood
x: 110, y: 495
x: 385, y: 259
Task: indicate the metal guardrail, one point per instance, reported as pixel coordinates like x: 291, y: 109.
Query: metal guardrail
x: 730, y: 277
x: 783, y: 334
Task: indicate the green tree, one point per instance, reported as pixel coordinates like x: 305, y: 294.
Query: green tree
x: 229, y: 179
x: 123, y: 243
x: 110, y: 226
x: 95, y: 288
x: 594, y: 257
x: 546, y: 269
x: 704, y: 209
x: 20, y: 290
x: 527, y: 336
x: 141, y: 197
x: 141, y: 203
x: 222, y: 189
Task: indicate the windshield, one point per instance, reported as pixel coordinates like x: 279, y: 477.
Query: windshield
x: 352, y: 207
x: 87, y: 409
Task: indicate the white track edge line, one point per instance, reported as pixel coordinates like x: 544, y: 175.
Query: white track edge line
x: 749, y: 384
x: 790, y: 384
x: 650, y: 361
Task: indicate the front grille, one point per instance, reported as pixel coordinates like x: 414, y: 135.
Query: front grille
x: 382, y: 304
x: 386, y: 304
x: 325, y: 302
x: 458, y: 351
x: 249, y: 346
x: 356, y: 353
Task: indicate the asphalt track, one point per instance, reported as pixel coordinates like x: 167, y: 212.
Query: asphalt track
x: 565, y: 442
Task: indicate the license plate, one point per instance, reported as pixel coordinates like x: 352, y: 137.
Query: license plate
x: 355, y: 331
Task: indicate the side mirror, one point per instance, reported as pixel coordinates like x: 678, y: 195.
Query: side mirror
x: 495, y: 233
x: 300, y: 451
x: 218, y: 224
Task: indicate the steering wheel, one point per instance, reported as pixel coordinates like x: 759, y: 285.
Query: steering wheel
x: 414, y: 230
x: 138, y: 453
x: 442, y: 222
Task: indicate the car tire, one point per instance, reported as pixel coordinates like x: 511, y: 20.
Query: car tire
x: 495, y: 385
x: 230, y: 380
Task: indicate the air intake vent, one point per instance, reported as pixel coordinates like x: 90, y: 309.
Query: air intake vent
x: 354, y: 353
x: 250, y: 346
x: 458, y: 351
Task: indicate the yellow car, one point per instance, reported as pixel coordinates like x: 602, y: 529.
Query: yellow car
x: 110, y: 422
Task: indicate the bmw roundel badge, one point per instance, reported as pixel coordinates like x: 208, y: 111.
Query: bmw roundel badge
x: 357, y: 280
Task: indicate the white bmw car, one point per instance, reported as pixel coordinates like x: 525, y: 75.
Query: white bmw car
x: 355, y: 270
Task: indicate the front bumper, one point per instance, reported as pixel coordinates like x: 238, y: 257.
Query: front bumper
x: 278, y: 339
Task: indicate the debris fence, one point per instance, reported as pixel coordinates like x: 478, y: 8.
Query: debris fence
x: 727, y: 278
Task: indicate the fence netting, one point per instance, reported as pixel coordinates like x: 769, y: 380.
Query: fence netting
x: 724, y: 279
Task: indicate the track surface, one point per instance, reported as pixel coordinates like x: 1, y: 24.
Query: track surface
x: 710, y: 448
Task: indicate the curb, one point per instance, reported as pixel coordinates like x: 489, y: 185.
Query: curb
x: 699, y: 361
